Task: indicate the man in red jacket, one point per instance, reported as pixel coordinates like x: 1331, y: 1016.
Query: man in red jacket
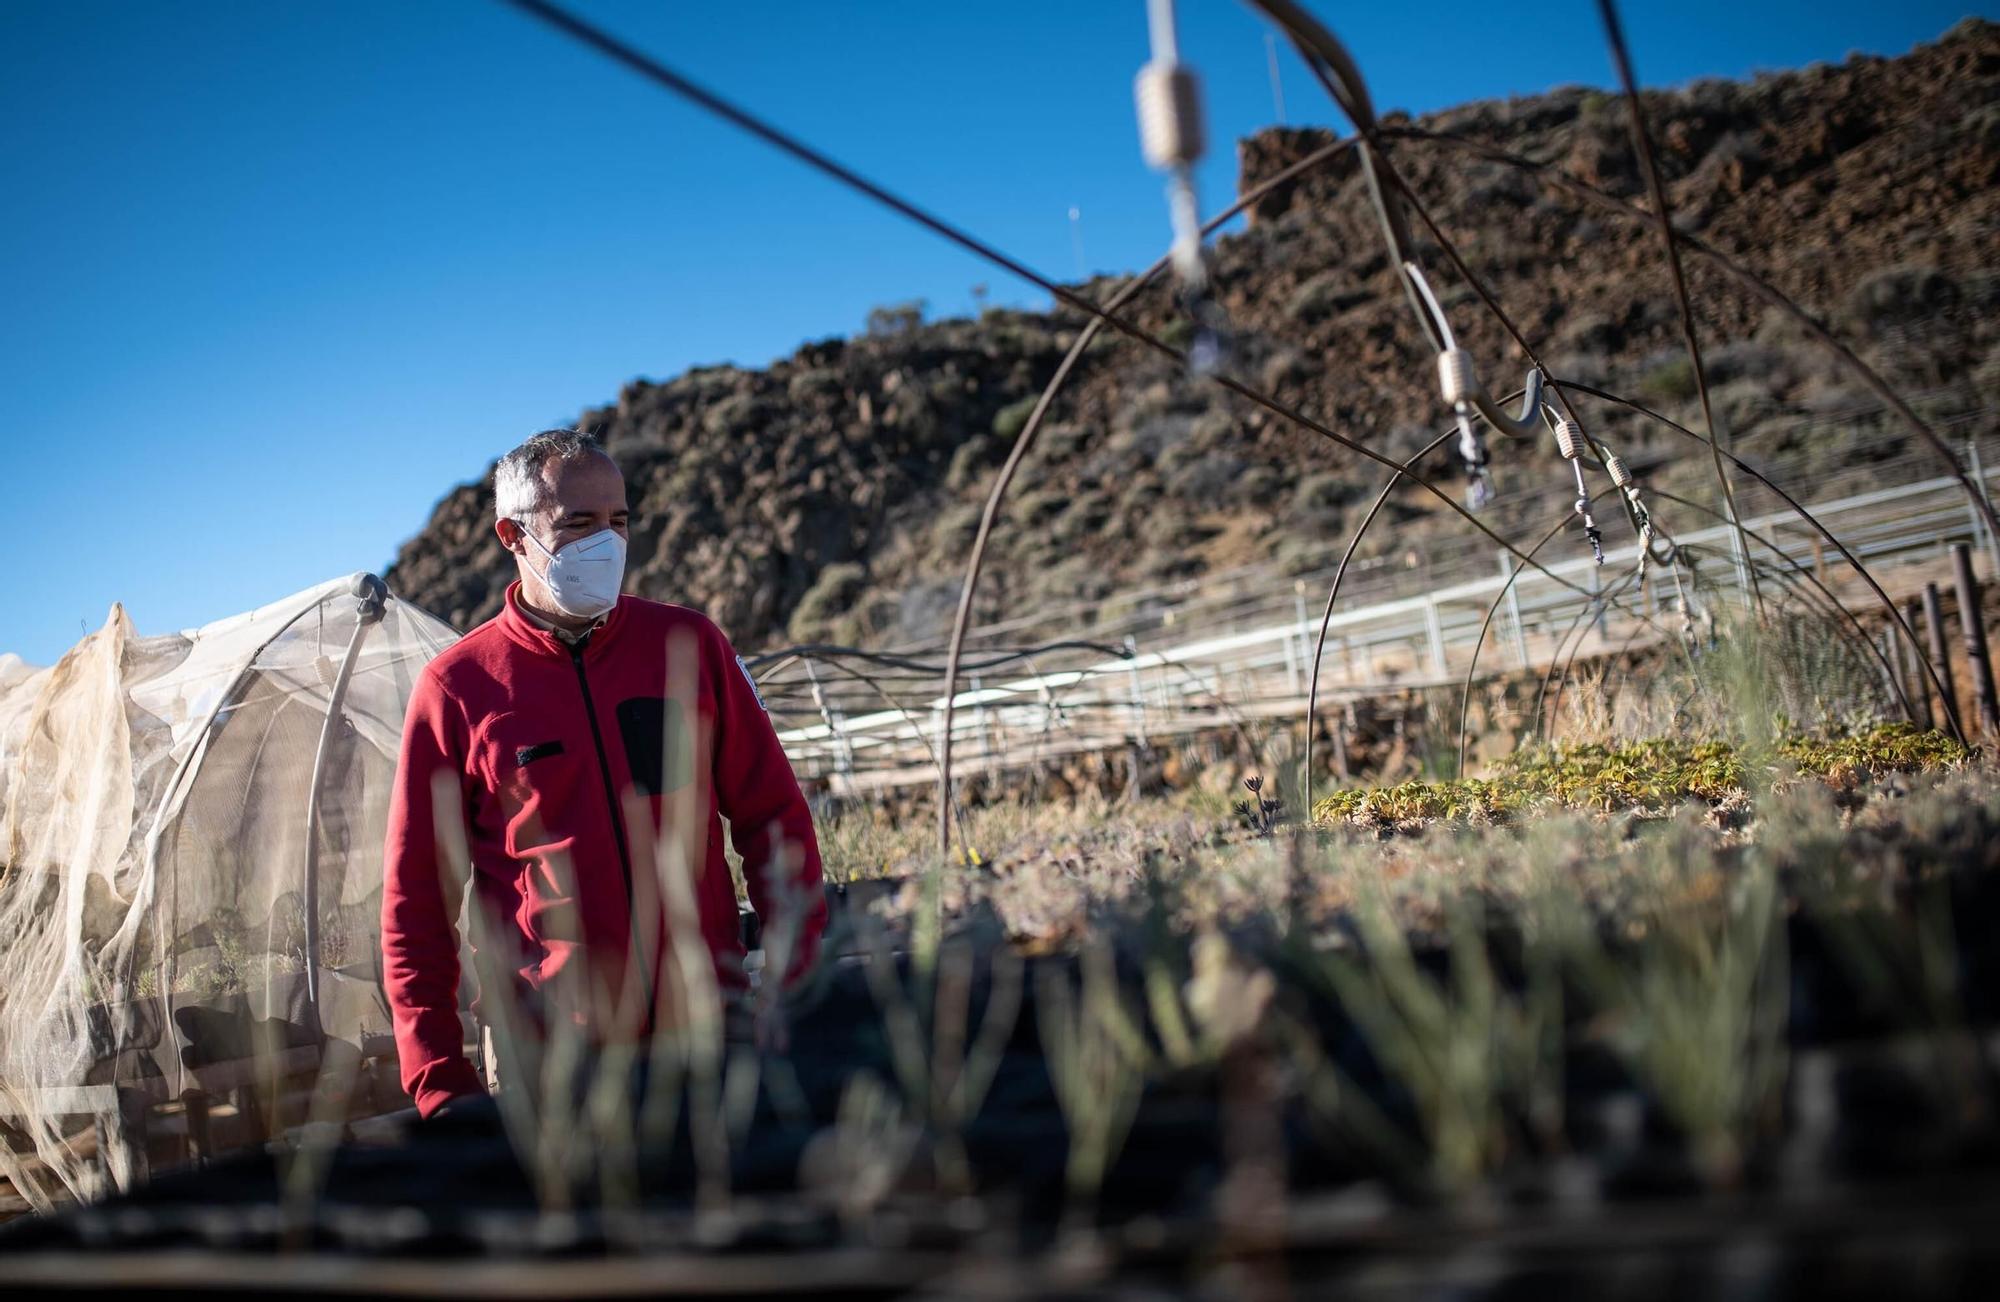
x: 589, y: 746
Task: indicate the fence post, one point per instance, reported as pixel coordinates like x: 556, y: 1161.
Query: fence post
x: 1973, y: 624
x: 1979, y: 529
x: 1916, y: 683
x: 1742, y: 559
x: 1434, y: 631
x: 843, y: 746
x: 1514, y: 610
x: 1304, y: 636
x: 1138, y: 693
x: 1887, y: 643
x: 1940, y: 652
x: 979, y: 719
x: 1291, y: 666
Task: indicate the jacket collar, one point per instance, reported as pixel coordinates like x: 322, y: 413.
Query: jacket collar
x: 526, y: 630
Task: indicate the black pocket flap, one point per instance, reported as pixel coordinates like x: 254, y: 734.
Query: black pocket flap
x: 541, y: 750
x: 656, y: 744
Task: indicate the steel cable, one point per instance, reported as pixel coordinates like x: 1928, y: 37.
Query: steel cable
x: 1895, y: 615
x: 1330, y: 63
x: 1838, y: 607
x: 1340, y: 574
x: 1472, y: 665
x: 1663, y: 215
x: 1584, y: 618
x: 652, y: 69
x: 1757, y: 285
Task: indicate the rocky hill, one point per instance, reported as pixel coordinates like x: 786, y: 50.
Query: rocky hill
x: 834, y: 494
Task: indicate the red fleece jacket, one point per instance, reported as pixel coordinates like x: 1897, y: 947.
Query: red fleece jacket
x: 551, y: 753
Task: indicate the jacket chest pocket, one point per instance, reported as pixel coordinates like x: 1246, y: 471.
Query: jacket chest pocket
x: 536, y: 778
x: 658, y: 744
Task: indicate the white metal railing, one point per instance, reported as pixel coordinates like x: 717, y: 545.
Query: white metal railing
x: 1254, y: 655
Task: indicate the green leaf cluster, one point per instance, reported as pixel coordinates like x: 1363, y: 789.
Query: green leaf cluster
x: 1883, y: 749
x: 1649, y: 774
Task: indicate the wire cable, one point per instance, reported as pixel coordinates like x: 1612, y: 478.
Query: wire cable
x: 1771, y: 295
x: 679, y: 85
x: 1896, y: 620
x: 1467, y: 397
x: 1642, y: 140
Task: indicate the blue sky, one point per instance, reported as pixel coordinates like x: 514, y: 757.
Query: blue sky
x: 274, y: 277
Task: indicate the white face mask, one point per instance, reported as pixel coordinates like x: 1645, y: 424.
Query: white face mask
x: 584, y: 576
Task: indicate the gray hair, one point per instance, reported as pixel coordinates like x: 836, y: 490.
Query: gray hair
x: 518, y: 487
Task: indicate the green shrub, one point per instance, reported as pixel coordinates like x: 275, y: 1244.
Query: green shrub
x: 1178, y: 333
x: 1326, y: 295
x: 1671, y: 381
x: 1892, y: 294
x: 968, y: 462
x: 1651, y: 774
x: 1321, y: 497
x: 1011, y: 419
x: 895, y: 319
x: 830, y: 596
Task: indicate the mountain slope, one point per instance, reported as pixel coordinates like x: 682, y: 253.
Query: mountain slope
x: 833, y: 495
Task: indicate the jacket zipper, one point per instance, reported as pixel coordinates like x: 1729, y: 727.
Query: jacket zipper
x: 610, y: 793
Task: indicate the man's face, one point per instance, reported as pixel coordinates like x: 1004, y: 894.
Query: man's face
x: 585, y: 495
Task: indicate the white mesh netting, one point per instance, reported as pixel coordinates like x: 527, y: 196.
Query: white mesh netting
x: 168, y: 807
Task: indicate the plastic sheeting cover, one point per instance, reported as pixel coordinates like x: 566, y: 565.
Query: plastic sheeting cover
x: 153, y: 804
